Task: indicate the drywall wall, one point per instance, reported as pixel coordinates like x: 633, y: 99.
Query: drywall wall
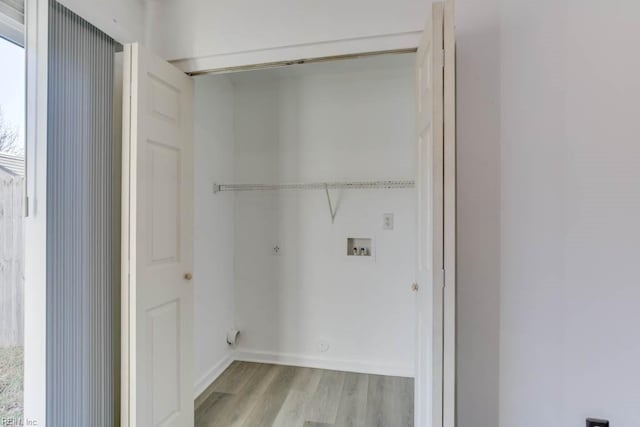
x: 124, y: 20
x: 570, y: 203
x: 478, y: 210
x: 546, y: 104
x: 237, y: 30
x: 350, y: 125
x: 213, y: 227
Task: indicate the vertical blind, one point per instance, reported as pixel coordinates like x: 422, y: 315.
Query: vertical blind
x: 82, y: 217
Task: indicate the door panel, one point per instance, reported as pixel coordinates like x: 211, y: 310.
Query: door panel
x: 164, y: 201
x: 162, y: 328
x: 430, y: 192
x: 158, y: 234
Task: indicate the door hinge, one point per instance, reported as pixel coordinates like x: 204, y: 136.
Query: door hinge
x: 444, y: 272
x: 26, y: 206
x: 443, y: 57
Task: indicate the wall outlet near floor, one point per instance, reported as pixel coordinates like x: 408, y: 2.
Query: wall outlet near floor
x: 276, y: 250
x: 387, y: 221
x: 594, y: 422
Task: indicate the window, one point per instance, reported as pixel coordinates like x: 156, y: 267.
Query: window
x: 12, y: 148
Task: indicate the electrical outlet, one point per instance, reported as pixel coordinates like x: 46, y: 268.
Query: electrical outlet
x: 387, y: 221
x: 594, y: 422
x: 276, y: 250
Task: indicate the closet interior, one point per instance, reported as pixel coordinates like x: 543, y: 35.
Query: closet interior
x: 305, y: 217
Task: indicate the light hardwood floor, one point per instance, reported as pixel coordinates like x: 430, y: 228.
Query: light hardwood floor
x: 261, y: 395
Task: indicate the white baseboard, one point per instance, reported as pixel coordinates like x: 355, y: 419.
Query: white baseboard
x: 324, y: 363
x: 299, y: 360
x: 211, y: 375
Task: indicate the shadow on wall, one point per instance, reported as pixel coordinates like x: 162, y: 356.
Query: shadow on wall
x: 478, y: 156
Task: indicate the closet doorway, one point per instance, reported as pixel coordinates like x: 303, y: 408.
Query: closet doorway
x: 310, y: 170
x: 287, y: 240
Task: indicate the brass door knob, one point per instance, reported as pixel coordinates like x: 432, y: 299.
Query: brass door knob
x: 188, y: 276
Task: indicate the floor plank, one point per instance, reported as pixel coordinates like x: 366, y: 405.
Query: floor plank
x: 236, y: 410
x: 307, y: 380
x: 377, y: 408
x: 262, y: 395
x: 353, y: 402
x: 402, y: 401
x: 215, y: 405
x: 267, y: 408
x: 234, y: 377
x: 323, y: 407
x: 387, y: 401
x: 292, y: 412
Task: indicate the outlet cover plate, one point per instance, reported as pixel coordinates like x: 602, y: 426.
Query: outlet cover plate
x: 387, y: 221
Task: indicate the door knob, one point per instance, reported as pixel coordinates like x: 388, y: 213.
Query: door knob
x: 188, y: 276
x: 415, y: 287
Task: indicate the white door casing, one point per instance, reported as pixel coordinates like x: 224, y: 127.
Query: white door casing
x: 449, y: 315
x: 435, y: 266
x: 157, y: 227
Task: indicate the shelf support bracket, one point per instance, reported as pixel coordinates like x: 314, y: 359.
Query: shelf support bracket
x: 331, y: 211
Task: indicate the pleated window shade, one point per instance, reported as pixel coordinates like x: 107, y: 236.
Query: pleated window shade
x: 13, y: 9
x: 12, y: 21
x: 83, y: 211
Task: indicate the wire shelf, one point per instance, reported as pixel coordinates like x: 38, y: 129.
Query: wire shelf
x: 349, y: 185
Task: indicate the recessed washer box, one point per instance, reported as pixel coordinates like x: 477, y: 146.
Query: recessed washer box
x: 359, y: 246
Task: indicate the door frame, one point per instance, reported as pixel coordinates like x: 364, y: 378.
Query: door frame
x: 35, y: 225
x: 197, y: 66
x: 448, y: 308
x: 450, y: 216
x: 440, y: 43
x: 232, y: 68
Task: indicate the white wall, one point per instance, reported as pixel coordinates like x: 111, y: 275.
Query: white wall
x: 124, y: 20
x: 326, y: 127
x: 547, y: 106
x: 213, y: 227
x: 570, y: 208
x: 201, y: 28
x: 478, y: 257
x: 548, y: 188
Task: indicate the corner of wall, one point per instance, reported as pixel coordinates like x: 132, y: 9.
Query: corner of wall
x: 202, y: 383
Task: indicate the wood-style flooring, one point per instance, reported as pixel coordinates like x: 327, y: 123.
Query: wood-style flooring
x: 260, y: 395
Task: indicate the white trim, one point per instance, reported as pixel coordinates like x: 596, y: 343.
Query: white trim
x: 325, y: 363
x: 295, y: 53
x: 300, y: 361
x: 449, y: 322
x: 35, y: 292
x: 212, y: 374
x: 125, y: 223
x: 303, y: 361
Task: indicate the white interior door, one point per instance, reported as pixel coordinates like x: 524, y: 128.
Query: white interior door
x: 157, y: 239
x: 435, y: 305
